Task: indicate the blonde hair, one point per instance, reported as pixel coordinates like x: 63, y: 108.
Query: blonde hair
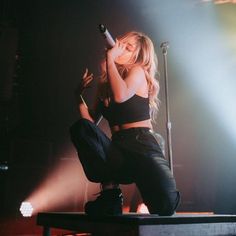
x: 144, y: 56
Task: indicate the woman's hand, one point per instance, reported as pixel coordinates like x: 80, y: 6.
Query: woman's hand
x: 82, y: 106
x: 84, y: 83
x: 117, y: 50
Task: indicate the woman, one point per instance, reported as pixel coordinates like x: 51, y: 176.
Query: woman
x: 127, y: 98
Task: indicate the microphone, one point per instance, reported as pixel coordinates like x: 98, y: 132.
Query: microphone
x: 164, y: 46
x: 109, y: 40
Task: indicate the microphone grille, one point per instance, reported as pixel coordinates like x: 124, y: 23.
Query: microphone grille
x: 102, y: 28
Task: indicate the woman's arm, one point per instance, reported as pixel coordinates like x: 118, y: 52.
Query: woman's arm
x: 83, y: 109
x: 123, y: 88
x: 94, y: 114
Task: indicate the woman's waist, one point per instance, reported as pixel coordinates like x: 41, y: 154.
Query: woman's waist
x: 131, y: 131
x: 146, y: 124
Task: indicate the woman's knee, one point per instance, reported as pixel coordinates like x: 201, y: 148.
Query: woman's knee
x: 173, y: 200
x: 159, y: 200
x: 79, y: 126
x: 166, y: 205
x: 75, y: 127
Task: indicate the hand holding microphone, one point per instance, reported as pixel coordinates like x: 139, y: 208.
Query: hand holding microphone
x: 116, y: 48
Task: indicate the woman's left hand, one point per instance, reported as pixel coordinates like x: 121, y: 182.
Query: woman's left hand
x: 84, y: 83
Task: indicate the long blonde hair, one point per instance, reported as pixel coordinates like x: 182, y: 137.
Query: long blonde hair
x: 144, y: 55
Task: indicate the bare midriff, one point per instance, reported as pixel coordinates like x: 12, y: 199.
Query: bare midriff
x: 143, y: 123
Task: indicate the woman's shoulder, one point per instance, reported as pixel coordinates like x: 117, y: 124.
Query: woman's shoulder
x: 137, y: 69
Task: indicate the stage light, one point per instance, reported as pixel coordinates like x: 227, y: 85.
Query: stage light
x: 142, y: 208
x: 220, y: 1
x: 50, y: 195
x: 26, y: 209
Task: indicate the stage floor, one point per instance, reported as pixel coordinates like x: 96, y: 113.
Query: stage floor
x: 140, y: 224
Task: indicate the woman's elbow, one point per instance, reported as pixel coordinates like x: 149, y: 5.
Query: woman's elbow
x: 119, y: 98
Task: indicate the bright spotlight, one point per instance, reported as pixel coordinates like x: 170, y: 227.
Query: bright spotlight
x: 142, y: 209
x: 26, y: 209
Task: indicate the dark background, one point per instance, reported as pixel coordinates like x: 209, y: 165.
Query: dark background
x: 45, y: 47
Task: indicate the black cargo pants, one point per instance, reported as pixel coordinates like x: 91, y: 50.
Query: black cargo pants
x: 131, y: 156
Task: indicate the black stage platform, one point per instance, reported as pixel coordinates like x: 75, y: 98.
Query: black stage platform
x: 140, y: 224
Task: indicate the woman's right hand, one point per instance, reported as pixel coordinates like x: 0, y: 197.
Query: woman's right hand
x: 84, y: 83
x: 116, y: 51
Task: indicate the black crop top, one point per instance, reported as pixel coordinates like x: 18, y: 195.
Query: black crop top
x: 132, y: 110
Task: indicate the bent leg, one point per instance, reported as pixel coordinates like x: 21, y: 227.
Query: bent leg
x: 157, y: 186
x: 92, y: 146
x: 94, y: 149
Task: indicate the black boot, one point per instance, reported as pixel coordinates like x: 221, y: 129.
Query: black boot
x: 109, y: 202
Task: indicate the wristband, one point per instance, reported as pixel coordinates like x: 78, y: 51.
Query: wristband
x: 82, y: 99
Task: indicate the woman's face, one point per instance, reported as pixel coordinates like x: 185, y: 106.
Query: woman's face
x: 125, y: 57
